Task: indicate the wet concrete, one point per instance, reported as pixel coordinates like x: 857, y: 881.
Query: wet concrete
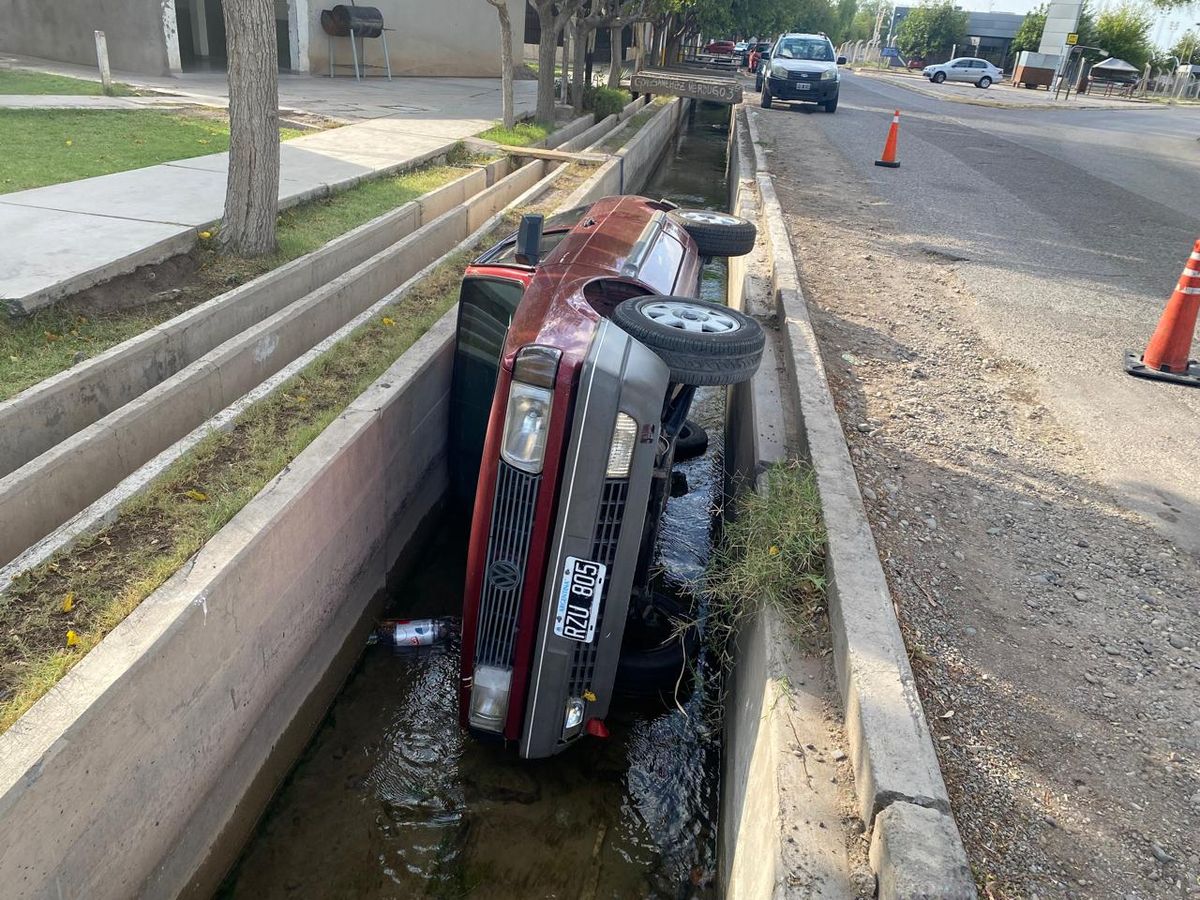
x: 392, y: 799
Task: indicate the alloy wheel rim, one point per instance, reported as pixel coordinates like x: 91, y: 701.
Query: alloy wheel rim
x: 690, y: 317
x: 708, y: 217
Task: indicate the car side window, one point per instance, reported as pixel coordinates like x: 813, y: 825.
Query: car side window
x: 662, y: 264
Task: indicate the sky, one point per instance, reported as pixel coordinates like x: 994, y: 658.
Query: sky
x: 1162, y: 34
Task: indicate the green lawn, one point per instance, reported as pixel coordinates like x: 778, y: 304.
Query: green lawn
x: 49, y: 146
x: 48, y: 342
x: 17, y: 82
x: 522, y: 135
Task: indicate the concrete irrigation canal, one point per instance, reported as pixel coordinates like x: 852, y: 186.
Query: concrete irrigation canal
x: 235, y: 735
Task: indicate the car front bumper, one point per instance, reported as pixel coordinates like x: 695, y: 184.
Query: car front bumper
x: 814, y: 91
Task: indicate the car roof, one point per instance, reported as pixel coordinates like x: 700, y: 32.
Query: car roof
x: 804, y: 34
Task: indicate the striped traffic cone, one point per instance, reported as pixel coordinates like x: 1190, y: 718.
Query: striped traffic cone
x: 1166, y: 356
x: 889, y: 148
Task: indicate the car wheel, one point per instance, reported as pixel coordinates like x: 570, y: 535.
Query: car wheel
x: 830, y: 105
x: 766, y: 96
x: 717, y: 233
x: 939, y: 77
x: 758, y: 84
x: 702, y: 343
x: 985, y: 82
x: 691, y: 442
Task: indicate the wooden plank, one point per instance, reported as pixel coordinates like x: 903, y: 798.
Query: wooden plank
x: 557, y: 155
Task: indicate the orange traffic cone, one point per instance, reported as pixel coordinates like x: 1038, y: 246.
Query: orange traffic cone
x: 889, y: 147
x: 1166, y: 356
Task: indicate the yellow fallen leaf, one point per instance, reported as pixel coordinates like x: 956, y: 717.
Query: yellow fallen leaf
x: 198, y: 496
x: 388, y: 321
x: 205, y: 235
x: 589, y: 696
x: 774, y: 551
x: 69, y: 601
x: 68, y: 142
x: 72, y: 639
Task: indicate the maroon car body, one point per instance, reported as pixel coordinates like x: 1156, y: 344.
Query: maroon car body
x: 555, y: 518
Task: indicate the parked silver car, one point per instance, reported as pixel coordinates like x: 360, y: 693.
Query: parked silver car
x: 979, y: 72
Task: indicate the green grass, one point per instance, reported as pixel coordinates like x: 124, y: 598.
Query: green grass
x: 621, y: 136
x: 521, y: 135
x: 48, y: 342
x: 771, y: 555
x: 106, y: 575
x: 50, y: 146
x: 17, y: 82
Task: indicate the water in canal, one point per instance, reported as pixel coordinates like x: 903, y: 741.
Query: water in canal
x: 392, y: 799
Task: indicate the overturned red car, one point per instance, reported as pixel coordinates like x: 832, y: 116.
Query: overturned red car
x: 580, y: 345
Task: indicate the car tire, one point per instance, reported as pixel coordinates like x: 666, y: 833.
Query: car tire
x: 691, y: 442
x: 830, y: 105
x: 728, y: 352
x: 717, y: 233
x: 985, y: 82
x: 938, y: 77
x: 647, y: 673
x: 766, y: 96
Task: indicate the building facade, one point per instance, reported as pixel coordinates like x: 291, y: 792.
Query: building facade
x: 989, y: 35
x: 160, y: 37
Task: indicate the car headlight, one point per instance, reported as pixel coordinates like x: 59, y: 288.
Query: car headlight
x: 829, y: 75
x: 778, y: 71
x: 527, y: 418
x: 489, y: 698
x: 620, y: 454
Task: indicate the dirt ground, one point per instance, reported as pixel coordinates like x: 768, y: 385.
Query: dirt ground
x: 1054, y: 634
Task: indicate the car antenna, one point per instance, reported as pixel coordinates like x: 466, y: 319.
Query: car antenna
x: 529, y: 239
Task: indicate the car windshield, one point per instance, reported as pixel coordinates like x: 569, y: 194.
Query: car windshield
x: 804, y: 48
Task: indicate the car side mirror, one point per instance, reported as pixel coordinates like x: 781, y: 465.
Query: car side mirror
x: 841, y: 61
x: 529, y: 239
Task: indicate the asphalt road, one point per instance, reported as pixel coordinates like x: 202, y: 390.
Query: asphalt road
x: 1072, y: 227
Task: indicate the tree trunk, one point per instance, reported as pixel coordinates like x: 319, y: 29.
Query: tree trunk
x: 252, y: 189
x: 508, y: 113
x: 577, y: 68
x: 590, y: 57
x: 616, y: 56
x: 566, y: 63
x: 547, y: 50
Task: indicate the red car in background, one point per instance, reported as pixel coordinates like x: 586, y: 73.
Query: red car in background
x: 719, y: 48
x: 580, y: 345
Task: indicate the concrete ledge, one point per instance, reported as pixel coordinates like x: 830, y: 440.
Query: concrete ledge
x: 51, y: 411
x: 890, y: 744
x: 911, y: 849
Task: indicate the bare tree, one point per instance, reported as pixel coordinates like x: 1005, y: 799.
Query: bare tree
x: 552, y: 18
x: 252, y: 189
x: 508, y: 113
x: 615, y: 55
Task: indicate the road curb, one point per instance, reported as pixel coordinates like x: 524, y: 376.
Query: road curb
x: 891, y: 747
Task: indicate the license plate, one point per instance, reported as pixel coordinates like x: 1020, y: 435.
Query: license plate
x: 579, y: 599
x: 802, y: 86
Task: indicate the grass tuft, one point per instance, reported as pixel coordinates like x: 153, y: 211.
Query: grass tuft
x: 520, y: 135
x: 771, y: 556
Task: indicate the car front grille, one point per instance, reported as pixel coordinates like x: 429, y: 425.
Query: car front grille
x: 803, y: 76
x: 504, y: 576
x: 604, y: 550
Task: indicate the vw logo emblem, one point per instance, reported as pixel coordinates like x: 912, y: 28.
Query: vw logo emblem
x: 503, y: 575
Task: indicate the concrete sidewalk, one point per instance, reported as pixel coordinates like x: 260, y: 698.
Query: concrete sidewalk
x: 67, y: 237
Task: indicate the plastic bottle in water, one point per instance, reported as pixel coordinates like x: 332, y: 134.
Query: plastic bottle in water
x: 413, y: 632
